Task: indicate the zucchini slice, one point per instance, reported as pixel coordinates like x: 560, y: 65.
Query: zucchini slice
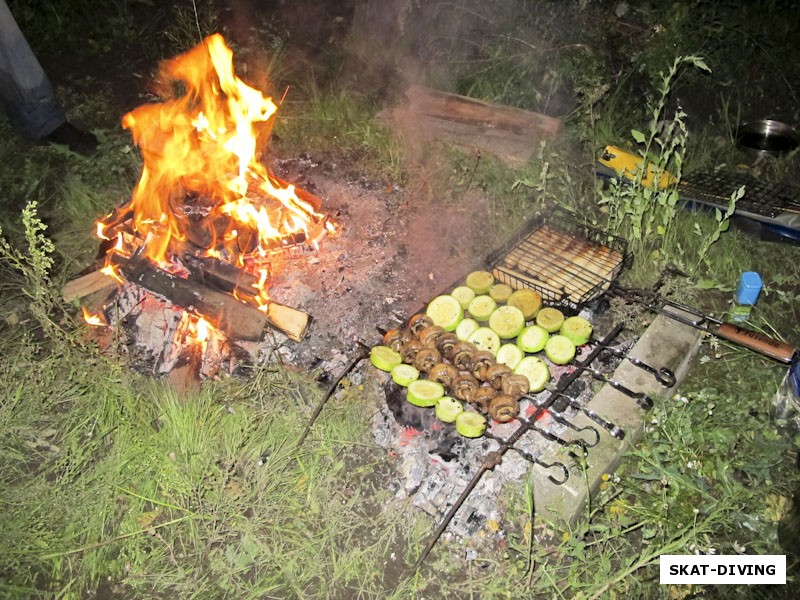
x: 480, y: 281
x: 507, y: 321
x: 404, y: 374
x: 510, y: 355
x: 550, y: 319
x: 559, y: 349
x: 485, y: 338
x: 532, y: 339
x: 500, y: 292
x: 482, y: 307
x: 466, y: 328
x: 424, y: 393
x: 384, y: 358
x: 527, y: 300
x: 537, y: 372
x: 445, y: 311
x: 470, y: 424
x: 463, y: 294
x: 448, y: 408
x: 577, y: 329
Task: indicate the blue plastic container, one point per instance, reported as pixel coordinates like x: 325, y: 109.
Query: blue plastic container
x: 749, y: 288
x: 746, y: 295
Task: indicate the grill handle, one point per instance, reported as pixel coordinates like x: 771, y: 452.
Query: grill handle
x: 752, y: 340
x: 757, y: 342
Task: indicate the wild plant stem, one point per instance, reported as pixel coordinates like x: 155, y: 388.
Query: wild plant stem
x: 116, y: 539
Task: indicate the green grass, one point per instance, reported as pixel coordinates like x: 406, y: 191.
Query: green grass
x: 159, y: 494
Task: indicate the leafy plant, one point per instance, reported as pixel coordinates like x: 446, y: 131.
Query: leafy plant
x: 35, y: 266
x: 643, y: 209
x: 723, y: 223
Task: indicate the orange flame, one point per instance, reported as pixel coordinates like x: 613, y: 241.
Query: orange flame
x: 202, y: 147
x: 94, y: 320
x: 201, y: 330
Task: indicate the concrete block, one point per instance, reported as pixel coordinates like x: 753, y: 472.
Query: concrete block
x: 666, y: 343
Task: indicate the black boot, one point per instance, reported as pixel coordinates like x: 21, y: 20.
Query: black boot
x: 80, y: 142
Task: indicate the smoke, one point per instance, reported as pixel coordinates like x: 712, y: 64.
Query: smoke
x: 511, y: 52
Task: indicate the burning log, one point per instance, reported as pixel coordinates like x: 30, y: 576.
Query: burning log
x: 221, y: 275
x: 237, y: 319
x: 233, y: 317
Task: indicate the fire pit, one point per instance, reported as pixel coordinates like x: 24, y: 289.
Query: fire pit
x: 196, y: 247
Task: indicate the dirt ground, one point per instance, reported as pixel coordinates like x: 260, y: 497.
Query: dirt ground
x: 392, y: 252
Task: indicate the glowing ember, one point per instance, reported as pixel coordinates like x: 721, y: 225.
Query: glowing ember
x: 202, y: 190
x: 94, y: 320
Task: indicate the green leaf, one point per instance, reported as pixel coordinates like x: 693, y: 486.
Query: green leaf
x: 638, y: 136
x: 648, y: 533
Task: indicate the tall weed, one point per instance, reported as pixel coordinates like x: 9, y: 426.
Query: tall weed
x: 641, y: 210
x: 35, y: 266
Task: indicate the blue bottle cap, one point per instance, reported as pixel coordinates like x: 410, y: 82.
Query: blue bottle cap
x: 749, y: 288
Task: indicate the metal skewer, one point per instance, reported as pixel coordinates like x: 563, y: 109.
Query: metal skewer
x: 664, y: 376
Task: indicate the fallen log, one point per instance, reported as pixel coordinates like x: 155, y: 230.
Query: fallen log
x: 512, y: 134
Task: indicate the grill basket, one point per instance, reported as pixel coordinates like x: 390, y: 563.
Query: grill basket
x: 568, y: 262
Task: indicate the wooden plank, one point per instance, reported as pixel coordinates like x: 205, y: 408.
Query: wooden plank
x: 473, y: 111
x: 86, y: 285
x: 512, y: 134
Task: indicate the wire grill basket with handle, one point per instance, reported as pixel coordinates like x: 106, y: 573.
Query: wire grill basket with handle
x: 568, y: 262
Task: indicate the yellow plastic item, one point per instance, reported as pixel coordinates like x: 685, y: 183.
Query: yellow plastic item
x: 628, y: 165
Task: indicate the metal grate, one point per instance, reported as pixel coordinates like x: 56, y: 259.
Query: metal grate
x: 567, y: 262
x: 761, y: 201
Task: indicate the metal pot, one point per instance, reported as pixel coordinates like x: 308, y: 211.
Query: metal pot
x: 767, y: 137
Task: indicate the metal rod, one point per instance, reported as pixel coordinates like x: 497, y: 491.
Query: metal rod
x: 490, y: 462
x: 567, y: 423
x: 536, y: 460
x: 615, y: 431
x: 663, y: 375
x: 641, y: 398
x: 363, y: 353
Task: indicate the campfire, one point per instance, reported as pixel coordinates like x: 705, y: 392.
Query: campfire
x: 208, y: 224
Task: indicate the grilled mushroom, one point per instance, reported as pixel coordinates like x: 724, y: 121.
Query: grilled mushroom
x: 504, y: 408
x: 444, y: 374
x: 516, y: 386
x: 396, y: 338
x: 430, y: 334
x: 482, y: 398
x: 462, y: 355
x: 481, y: 361
x: 409, y: 350
x: 445, y: 343
x: 463, y: 386
x: 496, y: 374
x: 419, y: 322
x: 426, y: 359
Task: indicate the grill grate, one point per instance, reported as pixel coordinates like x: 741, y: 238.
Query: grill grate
x: 567, y: 262
x: 762, y: 201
